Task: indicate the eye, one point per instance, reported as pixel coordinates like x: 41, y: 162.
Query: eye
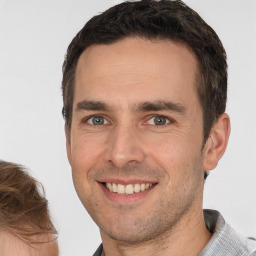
x: 96, y: 120
x: 159, y: 120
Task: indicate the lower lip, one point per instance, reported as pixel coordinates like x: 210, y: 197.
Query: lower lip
x: 124, y: 198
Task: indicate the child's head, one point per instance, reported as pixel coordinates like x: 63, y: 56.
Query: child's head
x: 25, y: 224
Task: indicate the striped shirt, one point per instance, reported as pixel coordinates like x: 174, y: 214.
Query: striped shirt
x: 225, y: 241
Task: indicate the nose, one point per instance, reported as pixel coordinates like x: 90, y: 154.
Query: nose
x: 124, y: 147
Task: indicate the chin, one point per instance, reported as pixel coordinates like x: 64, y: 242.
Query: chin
x: 134, y: 231
x: 128, y: 237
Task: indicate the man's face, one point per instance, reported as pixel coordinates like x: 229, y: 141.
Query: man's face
x: 137, y: 130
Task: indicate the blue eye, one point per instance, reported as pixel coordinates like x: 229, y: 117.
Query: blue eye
x: 97, y: 120
x: 158, y: 120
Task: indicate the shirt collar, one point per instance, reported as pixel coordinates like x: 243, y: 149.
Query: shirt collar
x: 225, y: 241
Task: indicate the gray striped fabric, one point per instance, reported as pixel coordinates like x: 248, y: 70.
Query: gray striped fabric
x: 225, y: 241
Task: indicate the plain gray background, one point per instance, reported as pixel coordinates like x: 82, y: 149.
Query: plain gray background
x: 34, y: 35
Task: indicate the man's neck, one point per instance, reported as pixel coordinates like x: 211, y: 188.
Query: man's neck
x: 188, y: 238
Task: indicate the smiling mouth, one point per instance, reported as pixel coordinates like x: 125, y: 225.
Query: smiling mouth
x: 129, y: 188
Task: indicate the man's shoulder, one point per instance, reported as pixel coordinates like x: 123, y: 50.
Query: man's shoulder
x: 230, y: 244
x: 225, y: 240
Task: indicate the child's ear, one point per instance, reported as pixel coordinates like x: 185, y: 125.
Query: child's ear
x: 216, y: 143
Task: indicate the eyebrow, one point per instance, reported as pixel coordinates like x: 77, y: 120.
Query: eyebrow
x: 161, y: 105
x: 141, y: 107
x: 91, y: 105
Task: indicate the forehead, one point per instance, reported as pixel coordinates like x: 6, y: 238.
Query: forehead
x: 136, y: 69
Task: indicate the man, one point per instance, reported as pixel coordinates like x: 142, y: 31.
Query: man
x: 25, y: 225
x: 144, y: 90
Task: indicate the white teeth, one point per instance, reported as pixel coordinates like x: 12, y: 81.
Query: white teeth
x: 109, y: 187
x: 137, y: 188
x: 120, y: 189
x: 128, y: 189
x: 114, y: 187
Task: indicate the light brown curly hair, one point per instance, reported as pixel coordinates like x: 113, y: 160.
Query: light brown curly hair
x: 23, y: 206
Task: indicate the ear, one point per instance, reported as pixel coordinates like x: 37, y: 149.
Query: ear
x: 216, y: 143
x: 68, y: 143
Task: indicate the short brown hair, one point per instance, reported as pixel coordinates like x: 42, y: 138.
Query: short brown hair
x: 23, y: 206
x: 164, y: 20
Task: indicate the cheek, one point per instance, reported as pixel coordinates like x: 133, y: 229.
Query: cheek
x: 171, y: 148
x: 175, y: 154
x: 86, y: 152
